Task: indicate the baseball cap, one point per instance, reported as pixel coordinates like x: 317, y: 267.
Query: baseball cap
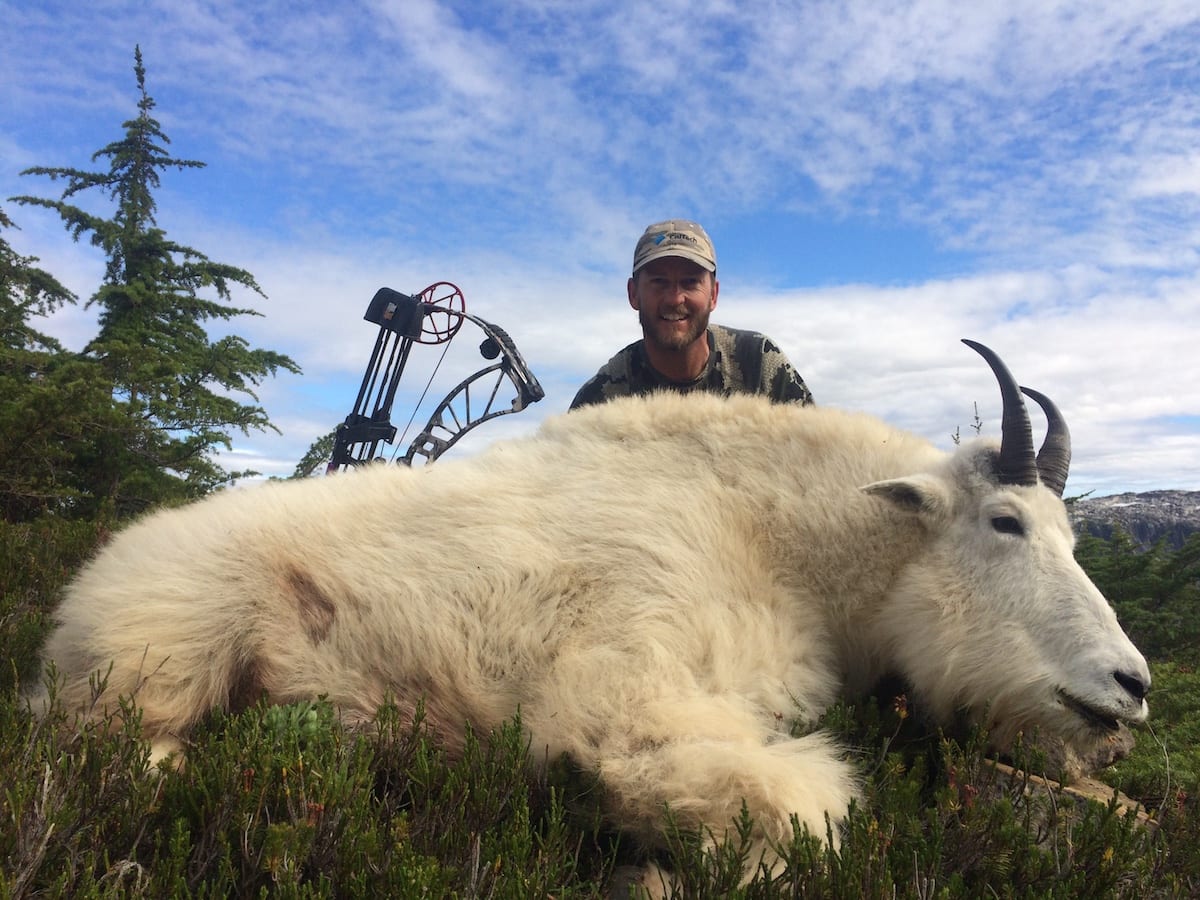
x: 675, y: 237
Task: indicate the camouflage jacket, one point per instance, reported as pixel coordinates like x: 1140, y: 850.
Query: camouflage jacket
x: 738, y: 362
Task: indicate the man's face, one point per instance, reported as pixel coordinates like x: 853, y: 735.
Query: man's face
x: 673, y: 297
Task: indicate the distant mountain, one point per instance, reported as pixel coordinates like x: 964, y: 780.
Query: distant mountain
x: 1147, y: 517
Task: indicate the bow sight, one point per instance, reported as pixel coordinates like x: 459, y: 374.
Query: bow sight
x: 433, y: 316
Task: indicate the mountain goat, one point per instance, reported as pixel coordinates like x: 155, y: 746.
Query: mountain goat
x: 659, y: 585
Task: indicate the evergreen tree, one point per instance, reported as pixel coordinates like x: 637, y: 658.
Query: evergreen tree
x: 26, y: 291
x: 26, y: 435
x: 157, y: 359
x: 317, y: 457
x: 1156, y: 592
x: 58, y: 422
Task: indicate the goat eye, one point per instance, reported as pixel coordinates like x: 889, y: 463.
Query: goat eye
x: 1008, y: 525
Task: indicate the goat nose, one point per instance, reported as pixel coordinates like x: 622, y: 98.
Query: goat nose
x: 1133, y: 684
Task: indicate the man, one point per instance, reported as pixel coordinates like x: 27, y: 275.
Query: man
x: 674, y: 288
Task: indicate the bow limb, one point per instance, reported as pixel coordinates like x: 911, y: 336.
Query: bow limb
x: 474, y: 400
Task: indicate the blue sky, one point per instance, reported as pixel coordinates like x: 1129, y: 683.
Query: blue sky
x: 880, y: 180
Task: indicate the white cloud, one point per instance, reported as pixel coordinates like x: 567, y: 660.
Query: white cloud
x: 1168, y: 176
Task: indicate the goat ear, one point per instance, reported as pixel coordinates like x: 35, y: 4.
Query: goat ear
x: 918, y: 494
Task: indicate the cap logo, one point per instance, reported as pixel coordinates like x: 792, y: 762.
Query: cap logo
x: 676, y: 236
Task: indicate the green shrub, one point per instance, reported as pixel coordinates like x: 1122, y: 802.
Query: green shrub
x: 278, y: 800
x: 36, y: 559
x: 1166, y: 759
x: 1156, y: 592
x: 286, y: 801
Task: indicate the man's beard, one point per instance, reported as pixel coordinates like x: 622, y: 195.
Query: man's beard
x: 667, y: 338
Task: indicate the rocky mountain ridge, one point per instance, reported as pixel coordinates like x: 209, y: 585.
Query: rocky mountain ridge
x: 1147, y: 517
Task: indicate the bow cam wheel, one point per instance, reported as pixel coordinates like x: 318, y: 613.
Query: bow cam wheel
x: 444, y: 309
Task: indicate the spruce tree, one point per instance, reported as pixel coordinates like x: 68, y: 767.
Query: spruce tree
x: 35, y: 457
x: 161, y: 366
x: 26, y: 291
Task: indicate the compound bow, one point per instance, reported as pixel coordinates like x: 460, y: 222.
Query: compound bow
x: 433, y: 316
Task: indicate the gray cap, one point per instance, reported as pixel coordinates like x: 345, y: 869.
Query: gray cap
x: 675, y: 237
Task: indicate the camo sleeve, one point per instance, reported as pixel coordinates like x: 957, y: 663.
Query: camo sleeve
x: 592, y: 392
x: 755, y: 364
x: 781, y: 382
x: 615, y: 379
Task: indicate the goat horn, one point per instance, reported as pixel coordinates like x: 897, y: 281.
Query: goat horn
x: 1054, y: 459
x: 1017, y: 463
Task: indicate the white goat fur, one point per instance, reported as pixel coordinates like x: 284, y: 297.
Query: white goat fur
x: 660, y: 586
